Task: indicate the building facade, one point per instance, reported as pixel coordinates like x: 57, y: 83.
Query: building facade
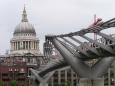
x: 24, y: 38
x: 66, y: 77
x: 24, y: 54
x: 15, y: 72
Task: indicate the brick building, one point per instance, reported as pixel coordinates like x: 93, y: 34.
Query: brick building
x: 24, y: 54
x: 16, y: 72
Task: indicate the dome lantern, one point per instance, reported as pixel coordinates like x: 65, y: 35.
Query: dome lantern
x: 24, y: 15
x: 24, y: 27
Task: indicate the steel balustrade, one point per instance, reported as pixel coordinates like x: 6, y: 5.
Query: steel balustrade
x: 75, y: 56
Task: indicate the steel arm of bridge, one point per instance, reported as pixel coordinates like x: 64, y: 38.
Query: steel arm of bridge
x: 52, y: 67
x: 106, y: 36
x: 83, y: 70
x: 76, y: 54
x: 91, y: 49
x: 76, y: 64
x: 109, y: 23
x: 77, y: 48
x: 84, y: 52
x: 101, y: 67
x: 105, y: 47
x: 105, y: 25
x: 43, y: 79
x: 73, y: 51
x: 46, y: 77
x: 103, y: 34
x: 39, y: 78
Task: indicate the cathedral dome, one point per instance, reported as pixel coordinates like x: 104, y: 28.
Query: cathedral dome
x: 24, y: 38
x: 24, y: 27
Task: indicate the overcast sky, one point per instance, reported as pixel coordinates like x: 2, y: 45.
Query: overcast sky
x: 51, y: 16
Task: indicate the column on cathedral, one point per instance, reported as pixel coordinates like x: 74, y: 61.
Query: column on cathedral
x: 16, y: 45
x: 31, y: 44
x: 28, y: 45
x: 37, y: 45
x: 11, y: 45
x: 23, y: 44
x: 34, y: 45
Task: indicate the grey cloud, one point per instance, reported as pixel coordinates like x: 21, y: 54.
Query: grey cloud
x: 51, y: 16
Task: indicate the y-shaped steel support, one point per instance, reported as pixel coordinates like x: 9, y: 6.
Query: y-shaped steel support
x: 42, y: 80
x: 83, y: 70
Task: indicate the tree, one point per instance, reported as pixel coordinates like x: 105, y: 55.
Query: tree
x: 14, y: 83
x: 1, y: 83
x: 59, y: 84
x: 67, y: 83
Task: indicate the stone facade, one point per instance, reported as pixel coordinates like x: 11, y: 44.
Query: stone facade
x: 24, y: 38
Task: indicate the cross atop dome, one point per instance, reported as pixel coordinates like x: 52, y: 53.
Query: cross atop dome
x: 24, y: 15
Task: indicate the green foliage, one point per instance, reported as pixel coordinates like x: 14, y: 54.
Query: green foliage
x: 1, y: 83
x: 14, y: 83
x: 59, y: 84
x: 67, y: 83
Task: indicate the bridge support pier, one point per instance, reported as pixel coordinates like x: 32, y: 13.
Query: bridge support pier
x: 86, y: 82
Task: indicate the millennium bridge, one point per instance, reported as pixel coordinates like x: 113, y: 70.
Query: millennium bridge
x: 89, y: 59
